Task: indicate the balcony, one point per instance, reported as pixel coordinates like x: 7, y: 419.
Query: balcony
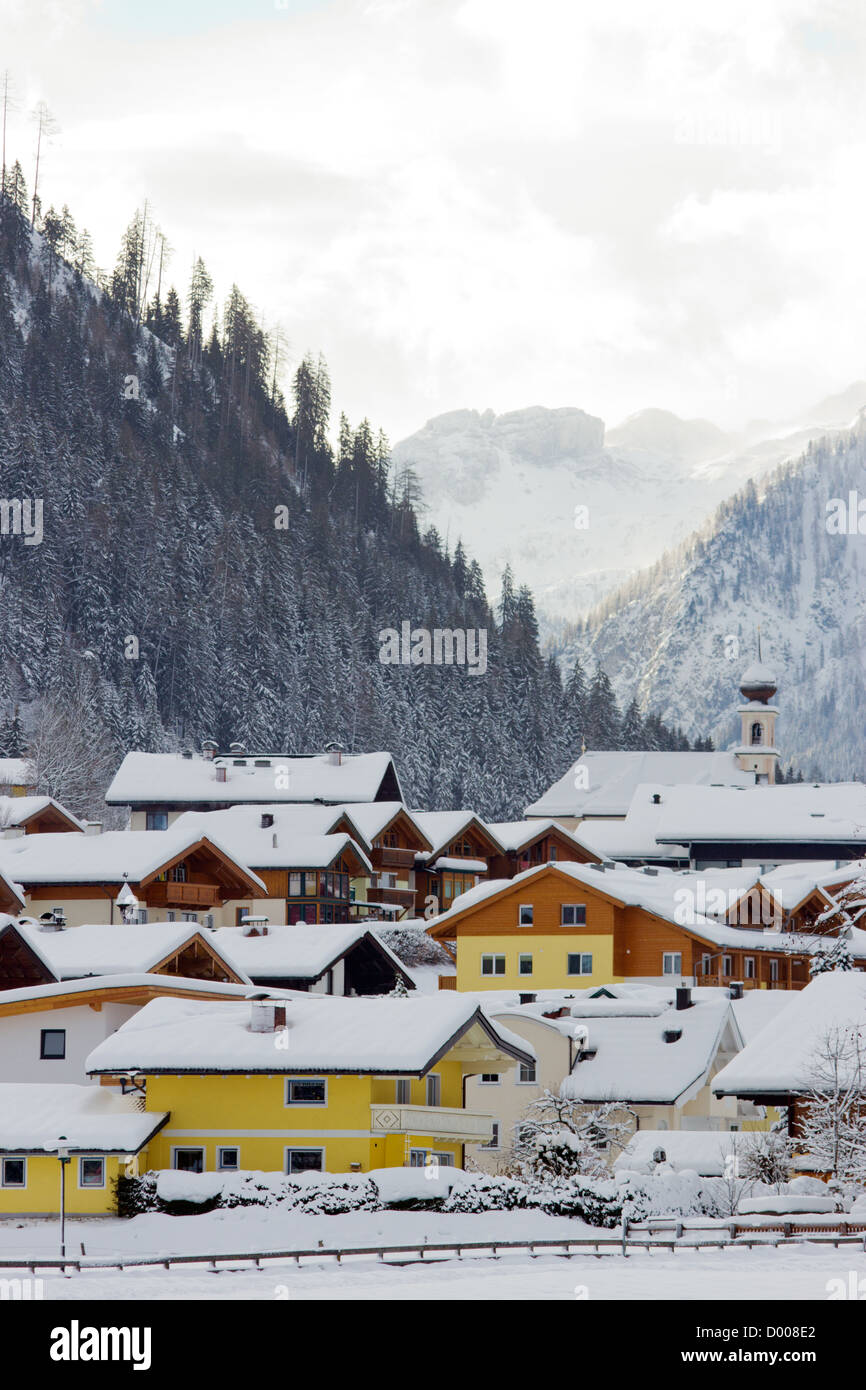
x: 395, y: 858
x: 439, y: 1121
x: 184, y: 895
x: 400, y: 897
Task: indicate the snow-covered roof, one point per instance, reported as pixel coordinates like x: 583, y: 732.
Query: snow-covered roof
x: 634, y: 837
x: 515, y: 834
x: 633, y: 1062
x: 17, y: 772
x: 703, y: 1151
x: 757, y: 1008
x: 372, y: 817
x: 95, y: 1119
x: 455, y: 863
x: 17, y: 810
x: 797, y: 813
x: 113, y: 950
x: 758, y: 674
x: 171, y: 779
x: 295, y: 952
x: 611, y: 778
x: 73, y: 857
x: 282, y: 845
x: 675, y: 896
x: 325, y: 1034
x: 781, y: 1060
x: 136, y: 981
x: 441, y: 827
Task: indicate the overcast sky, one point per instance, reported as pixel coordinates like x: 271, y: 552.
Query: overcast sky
x: 486, y: 203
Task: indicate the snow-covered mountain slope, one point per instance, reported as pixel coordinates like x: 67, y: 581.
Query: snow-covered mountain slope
x: 680, y: 635
x: 512, y: 487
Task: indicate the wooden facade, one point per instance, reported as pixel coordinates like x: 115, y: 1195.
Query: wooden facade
x: 625, y: 941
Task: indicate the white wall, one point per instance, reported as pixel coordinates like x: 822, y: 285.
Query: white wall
x: 85, y: 1028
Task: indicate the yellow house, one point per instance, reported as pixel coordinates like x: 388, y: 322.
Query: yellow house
x: 313, y: 1084
x: 102, y: 1133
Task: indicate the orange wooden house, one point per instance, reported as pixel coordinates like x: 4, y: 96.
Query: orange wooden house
x: 571, y: 925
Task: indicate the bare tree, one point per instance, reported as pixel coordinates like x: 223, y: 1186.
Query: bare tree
x: 833, y: 1127
x: 46, y: 126
x: 557, y: 1135
x: 7, y: 97
x: 765, y: 1156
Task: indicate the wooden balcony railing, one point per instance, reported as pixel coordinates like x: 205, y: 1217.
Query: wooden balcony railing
x: 167, y: 894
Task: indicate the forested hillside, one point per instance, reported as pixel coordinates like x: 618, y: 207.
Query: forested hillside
x: 787, y: 558
x: 211, y: 566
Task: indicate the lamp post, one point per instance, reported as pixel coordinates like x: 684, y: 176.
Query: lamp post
x: 63, y: 1156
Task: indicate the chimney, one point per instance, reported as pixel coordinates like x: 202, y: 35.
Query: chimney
x: 334, y: 753
x: 209, y: 750
x: 736, y: 989
x: 237, y: 750
x: 55, y: 920
x: 93, y: 827
x: 221, y: 772
x: 266, y: 1016
x: 684, y: 997
x: 14, y: 832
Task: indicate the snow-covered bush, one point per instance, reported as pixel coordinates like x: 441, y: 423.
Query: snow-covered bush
x: 486, y: 1192
x: 597, y: 1201
x: 414, y: 946
x: 333, y: 1198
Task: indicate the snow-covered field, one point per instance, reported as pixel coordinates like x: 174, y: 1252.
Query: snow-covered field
x: 787, y: 1273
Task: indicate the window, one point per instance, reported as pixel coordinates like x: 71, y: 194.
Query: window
x: 749, y: 967
x: 551, y: 854
x: 757, y: 733
x: 14, y: 1172
x: 307, y: 1092
x: 228, y: 1159
x: 52, y: 1043
x: 141, y: 916
x: 189, y: 917
x: 402, y: 1091
x: 527, y: 1073
x: 525, y: 915
x: 171, y: 916
x: 579, y: 963
x: 157, y: 820
x: 305, y: 1160
x: 672, y: 963
x: 417, y: 1158
x: 177, y: 874
x: 91, y: 1172
x: 706, y: 964
x: 727, y: 965
x: 492, y: 965
x: 524, y: 965
x: 188, y: 1160
x: 493, y: 1141
x: 774, y: 971
x: 573, y: 915
x: 490, y: 1078
x: 445, y: 1160
x: 434, y: 1089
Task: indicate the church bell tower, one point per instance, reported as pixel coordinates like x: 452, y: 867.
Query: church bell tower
x: 757, y: 751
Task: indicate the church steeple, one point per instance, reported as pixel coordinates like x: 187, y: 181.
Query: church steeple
x: 757, y: 751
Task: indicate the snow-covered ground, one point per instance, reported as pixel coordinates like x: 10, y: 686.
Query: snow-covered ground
x: 786, y: 1273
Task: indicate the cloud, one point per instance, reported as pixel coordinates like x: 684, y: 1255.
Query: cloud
x: 480, y: 202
